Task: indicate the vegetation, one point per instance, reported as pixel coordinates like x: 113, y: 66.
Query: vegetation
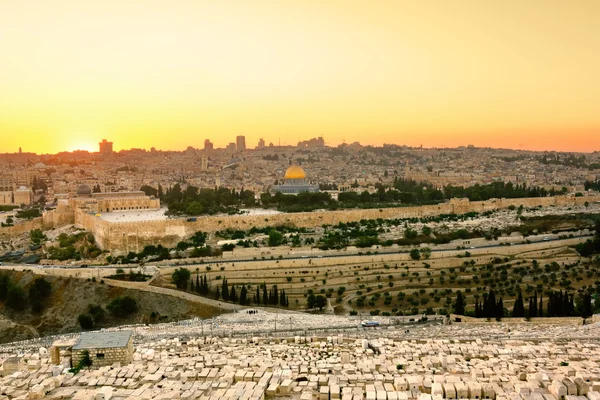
x: 37, y: 236
x: 194, y: 201
x: 181, y: 277
x: 122, y: 306
x: 39, y: 292
x: 77, y: 246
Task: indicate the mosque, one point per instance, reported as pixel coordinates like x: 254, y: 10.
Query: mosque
x: 295, y: 182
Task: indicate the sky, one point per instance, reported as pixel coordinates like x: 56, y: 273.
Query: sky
x: 521, y: 74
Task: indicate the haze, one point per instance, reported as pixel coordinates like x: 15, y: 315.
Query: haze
x: 518, y: 74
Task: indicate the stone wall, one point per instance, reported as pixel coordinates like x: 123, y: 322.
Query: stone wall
x: 122, y: 237
x: 122, y: 355
x: 9, y: 232
x: 507, y: 320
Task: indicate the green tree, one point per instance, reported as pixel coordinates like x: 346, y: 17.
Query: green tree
x: 320, y: 302
x: 122, y: 306
x: 85, y: 321
x: 415, y: 254
x: 39, y: 292
x: 181, y: 277
x: 519, y: 307
x: 459, y: 304
x: 15, y: 298
x: 275, y: 238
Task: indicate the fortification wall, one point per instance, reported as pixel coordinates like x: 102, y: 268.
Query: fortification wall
x: 9, y: 232
x: 122, y: 237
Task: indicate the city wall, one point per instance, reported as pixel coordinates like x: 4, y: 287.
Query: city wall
x: 8, y: 232
x: 122, y: 237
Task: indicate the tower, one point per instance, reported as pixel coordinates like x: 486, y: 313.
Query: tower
x: 106, y: 148
x: 240, y: 142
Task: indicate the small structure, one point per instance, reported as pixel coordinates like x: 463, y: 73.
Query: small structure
x: 105, y: 348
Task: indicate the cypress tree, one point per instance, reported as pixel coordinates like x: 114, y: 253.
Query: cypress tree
x: 275, y: 295
x: 225, y: 290
x: 565, y: 304
x: 257, y: 296
x: 217, y: 295
x: 233, y: 295
x: 266, y: 299
x: 500, y: 309
x: 459, y: 304
x: 192, y: 289
x: 198, y: 287
x: 519, y: 307
x: 243, y: 295
x: 535, y: 307
x: 550, y: 308
x: 541, y: 307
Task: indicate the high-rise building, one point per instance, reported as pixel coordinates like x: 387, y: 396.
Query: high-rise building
x: 204, y: 164
x: 261, y: 143
x: 240, y: 142
x: 208, y: 146
x: 106, y: 147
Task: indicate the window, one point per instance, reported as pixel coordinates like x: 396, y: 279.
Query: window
x: 100, y: 356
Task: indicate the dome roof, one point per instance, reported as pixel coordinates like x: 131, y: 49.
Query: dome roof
x: 84, y: 190
x: 295, y: 172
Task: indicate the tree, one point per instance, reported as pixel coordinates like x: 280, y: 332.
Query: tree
x: 275, y: 238
x: 122, y: 306
x: 243, y: 295
x: 415, y: 254
x: 225, y: 290
x: 320, y: 302
x: 181, y: 277
x: 39, y: 292
x: 15, y: 298
x: 519, y: 307
x: 85, y: 361
x: 97, y: 312
x: 85, y: 321
x: 459, y: 304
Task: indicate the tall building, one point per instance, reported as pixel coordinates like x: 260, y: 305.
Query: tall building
x: 261, y: 143
x: 208, y: 146
x: 106, y: 147
x: 240, y: 142
x: 204, y: 164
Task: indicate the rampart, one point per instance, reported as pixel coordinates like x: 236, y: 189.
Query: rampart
x: 122, y: 237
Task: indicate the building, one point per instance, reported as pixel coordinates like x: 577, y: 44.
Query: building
x: 208, y: 146
x: 261, y: 143
x: 104, y: 348
x: 240, y: 143
x: 109, y: 202
x: 106, y: 148
x: 11, y: 195
x: 295, y: 182
x: 314, y: 143
x: 231, y: 147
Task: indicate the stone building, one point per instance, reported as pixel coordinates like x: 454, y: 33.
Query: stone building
x: 108, y: 202
x: 105, y: 348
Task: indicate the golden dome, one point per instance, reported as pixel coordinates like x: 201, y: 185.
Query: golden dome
x: 295, y: 172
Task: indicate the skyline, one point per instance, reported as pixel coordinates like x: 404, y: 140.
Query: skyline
x: 149, y: 74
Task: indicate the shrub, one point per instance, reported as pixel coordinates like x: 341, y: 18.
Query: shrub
x: 122, y: 306
x: 85, y: 321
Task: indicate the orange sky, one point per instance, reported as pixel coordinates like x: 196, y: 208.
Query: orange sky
x: 142, y: 73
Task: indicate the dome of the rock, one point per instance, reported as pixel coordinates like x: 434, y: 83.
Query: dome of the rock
x: 295, y: 172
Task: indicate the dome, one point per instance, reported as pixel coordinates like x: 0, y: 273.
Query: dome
x: 295, y: 172
x: 84, y: 190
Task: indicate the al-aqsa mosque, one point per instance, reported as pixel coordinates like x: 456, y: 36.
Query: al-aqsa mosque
x: 295, y: 182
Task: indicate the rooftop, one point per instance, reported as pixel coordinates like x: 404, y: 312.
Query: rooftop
x: 102, y: 340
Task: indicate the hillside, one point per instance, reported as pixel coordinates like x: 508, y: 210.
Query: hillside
x: 70, y: 297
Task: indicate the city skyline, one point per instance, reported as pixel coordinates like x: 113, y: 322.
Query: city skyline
x: 150, y: 74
